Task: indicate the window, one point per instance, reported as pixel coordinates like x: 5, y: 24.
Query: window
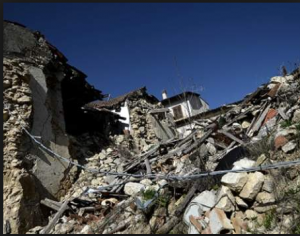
x: 177, y: 112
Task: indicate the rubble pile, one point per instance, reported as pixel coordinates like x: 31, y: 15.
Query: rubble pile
x: 241, y: 205
x: 145, y: 178
x: 33, y: 72
x: 261, y: 130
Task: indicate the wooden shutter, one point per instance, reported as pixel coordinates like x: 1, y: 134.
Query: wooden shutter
x: 177, y: 112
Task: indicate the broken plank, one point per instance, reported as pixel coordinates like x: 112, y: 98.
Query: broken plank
x: 260, y: 120
x: 240, y: 116
x: 231, y: 136
x: 176, y: 217
x: 50, y: 205
x: 148, y: 167
x: 282, y: 114
x: 52, y: 223
x: 198, y: 142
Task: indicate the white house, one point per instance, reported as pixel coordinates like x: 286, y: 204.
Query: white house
x: 184, y: 106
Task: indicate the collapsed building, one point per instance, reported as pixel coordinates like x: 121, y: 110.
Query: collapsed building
x: 38, y: 93
x: 184, y: 107
x: 123, y: 167
x: 137, y: 111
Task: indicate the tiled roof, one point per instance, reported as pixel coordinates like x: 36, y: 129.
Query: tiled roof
x: 116, y: 101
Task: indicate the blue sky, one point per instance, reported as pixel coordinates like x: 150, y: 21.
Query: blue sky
x: 222, y: 50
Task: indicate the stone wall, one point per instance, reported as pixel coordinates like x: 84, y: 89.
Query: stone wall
x: 142, y: 127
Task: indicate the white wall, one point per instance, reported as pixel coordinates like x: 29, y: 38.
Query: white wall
x: 185, y: 130
x: 191, y: 106
x: 124, y: 112
x: 184, y: 105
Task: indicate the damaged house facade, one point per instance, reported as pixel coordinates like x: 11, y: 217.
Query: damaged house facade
x: 135, y: 117
x: 183, y: 107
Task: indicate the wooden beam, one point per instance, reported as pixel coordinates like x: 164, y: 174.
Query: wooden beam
x: 231, y: 136
x: 260, y: 120
x: 148, y: 167
x: 198, y: 142
x: 52, y: 223
x: 282, y: 114
x: 47, y: 202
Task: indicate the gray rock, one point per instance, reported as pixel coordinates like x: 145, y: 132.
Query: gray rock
x: 243, y: 164
x: 24, y: 99
x: 218, y: 221
x: 133, y: 188
x: 269, y: 184
x: 101, y: 156
x: 86, y: 230
x: 245, y: 125
x: 250, y: 214
x: 109, y: 179
x: 6, y: 84
x: 279, y: 79
x: 253, y: 186
x: 225, y: 200
x: 203, y: 150
x: 265, y: 198
x: 235, y: 181
x: 289, y: 147
x: 5, y: 115
x: 240, y: 202
x: 296, y: 117
x: 211, y: 149
x: 206, y: 199
x: 146, y: 182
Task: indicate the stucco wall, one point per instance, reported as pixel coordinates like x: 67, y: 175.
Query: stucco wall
x: 124, y: 112
x: 191, y: 106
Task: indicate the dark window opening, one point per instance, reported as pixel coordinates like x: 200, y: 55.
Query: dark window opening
x: 178, y: 114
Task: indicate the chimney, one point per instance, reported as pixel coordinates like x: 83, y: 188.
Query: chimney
x: 164, y: 94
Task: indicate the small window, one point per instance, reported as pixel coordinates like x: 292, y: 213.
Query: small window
x: 177, y: 112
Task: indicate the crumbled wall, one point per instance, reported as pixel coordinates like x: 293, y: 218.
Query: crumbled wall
x: 142, y: 127
x: 19, y: 186
x: 33, y: 75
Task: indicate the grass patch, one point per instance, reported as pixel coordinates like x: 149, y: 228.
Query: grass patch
x: 148, y: 194
x: 163, y: 201
x: 269, y: 219
x: 264, y: 146
x: 286, y: 124
x: 297, y: 230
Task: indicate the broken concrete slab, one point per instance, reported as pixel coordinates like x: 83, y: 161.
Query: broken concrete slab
x: 206, y: 199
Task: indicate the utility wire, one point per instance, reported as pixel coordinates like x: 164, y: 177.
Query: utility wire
x: 168, y: 177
